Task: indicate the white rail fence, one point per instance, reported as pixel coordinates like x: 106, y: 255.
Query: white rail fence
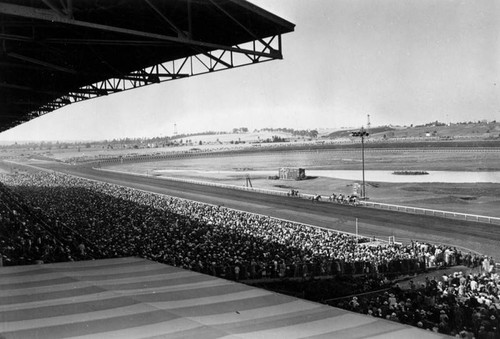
x: 370, y: 204
x: 436, y: 213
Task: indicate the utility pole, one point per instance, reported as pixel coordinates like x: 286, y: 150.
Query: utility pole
x: 362, y: 134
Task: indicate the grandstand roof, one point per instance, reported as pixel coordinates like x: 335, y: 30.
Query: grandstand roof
x: 137, y: 298
x: 54, y: 53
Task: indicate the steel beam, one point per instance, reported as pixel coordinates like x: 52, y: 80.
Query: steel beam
x: 41, y: 63
x: 167, y: 20
x: 14, y: 37
x: 20, y: 65
x: 49, y: 4
x: 114, y: 42
x: 27, y: 88
x: 254, y: 36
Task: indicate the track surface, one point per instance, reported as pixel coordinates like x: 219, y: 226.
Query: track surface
x: 480, y: 237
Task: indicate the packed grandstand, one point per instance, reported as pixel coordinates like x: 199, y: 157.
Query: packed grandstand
x: 52, y: 217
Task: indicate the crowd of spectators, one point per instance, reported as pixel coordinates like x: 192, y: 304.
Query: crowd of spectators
x: 27, y: 236
x: 464, y: 305
x: 114, y: 221
x: 50, y: 217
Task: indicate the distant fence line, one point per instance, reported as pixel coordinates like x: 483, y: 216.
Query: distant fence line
x: 355, y: 145
x: 369, y: 204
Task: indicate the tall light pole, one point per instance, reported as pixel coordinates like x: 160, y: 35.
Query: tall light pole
x: 362, y: 133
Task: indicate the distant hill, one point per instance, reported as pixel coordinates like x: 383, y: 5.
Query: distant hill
x: 474, y: 131
x: 477, y: 130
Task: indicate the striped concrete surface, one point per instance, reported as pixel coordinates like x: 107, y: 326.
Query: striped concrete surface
x: 138, y: 298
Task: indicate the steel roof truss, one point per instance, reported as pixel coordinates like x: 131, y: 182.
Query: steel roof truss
x: 167, y: 71
x: 193, y: 57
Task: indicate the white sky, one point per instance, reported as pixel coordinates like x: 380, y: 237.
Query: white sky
x: 402, y: 62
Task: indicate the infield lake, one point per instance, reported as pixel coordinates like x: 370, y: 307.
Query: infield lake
x: 433, y: 176
x: 371, y: 175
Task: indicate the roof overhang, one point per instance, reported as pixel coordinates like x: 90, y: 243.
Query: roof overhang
x: 55, y: 53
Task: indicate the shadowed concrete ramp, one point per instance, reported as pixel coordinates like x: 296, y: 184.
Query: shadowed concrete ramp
x: 138, y: 298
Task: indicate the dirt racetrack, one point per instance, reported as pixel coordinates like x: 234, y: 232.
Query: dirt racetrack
x: 479, y: 198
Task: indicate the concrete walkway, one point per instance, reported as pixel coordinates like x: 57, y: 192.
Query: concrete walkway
x: 137, y: 298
